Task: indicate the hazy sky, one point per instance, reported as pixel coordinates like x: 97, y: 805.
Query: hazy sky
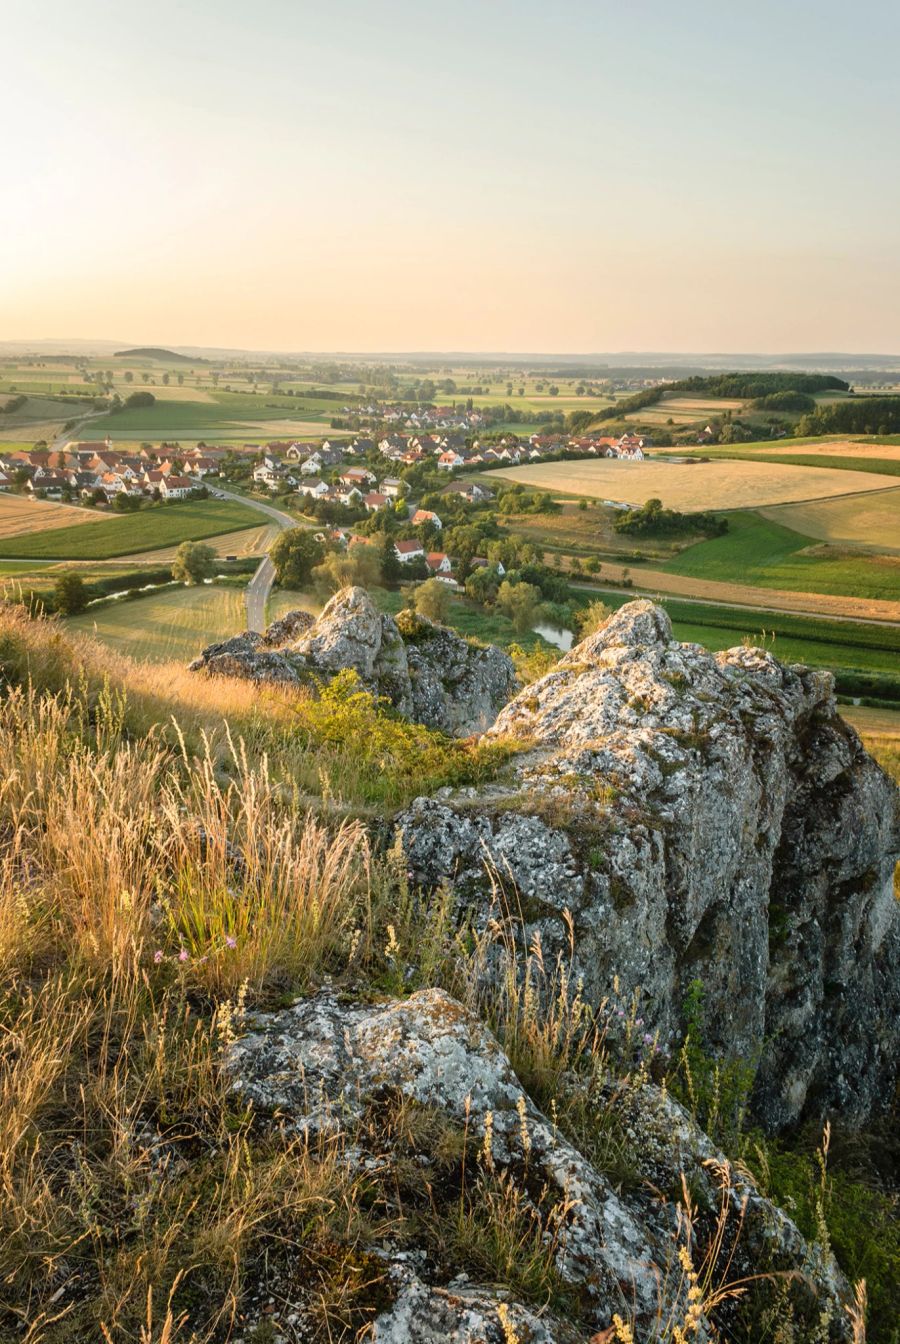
x: 584, y: 175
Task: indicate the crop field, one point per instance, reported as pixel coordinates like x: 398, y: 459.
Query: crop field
x: 586, y: 532
x: 862, y: 519
x: 219, y: 414
x: 844, y: 448
x: 151, y: 529
x: 685, y: 410
x: 249, y: 541
x: 722, y: 484
x: 171, y: 625
x: 758, y: 550
x: 20, y: 515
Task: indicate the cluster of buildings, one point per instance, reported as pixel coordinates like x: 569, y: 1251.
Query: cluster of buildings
x: 425, y: 417
x: 302, y: 466
x: 83, y: 469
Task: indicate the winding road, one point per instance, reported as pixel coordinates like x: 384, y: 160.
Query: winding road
x: 257, y: 592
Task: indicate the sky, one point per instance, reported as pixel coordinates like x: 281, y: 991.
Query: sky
x: 487, y: 176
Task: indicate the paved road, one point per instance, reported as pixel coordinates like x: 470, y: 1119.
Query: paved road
x: 258, y: 589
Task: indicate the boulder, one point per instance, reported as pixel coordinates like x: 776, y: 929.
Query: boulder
x: 288, y: 627
x: 719, y: 834
x: 246, y: 656
x: 426, y: 673
x: 316, y: 1068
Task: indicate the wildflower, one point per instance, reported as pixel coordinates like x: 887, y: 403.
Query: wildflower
x: 157, y: 956
x: 230, y: 942
x: 391, y: 947
x: 487, y: 1147
x: 648, y: 1039
x: 183, y: 955
x: 524, y: 1136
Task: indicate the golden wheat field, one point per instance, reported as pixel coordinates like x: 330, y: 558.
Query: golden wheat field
x: 692, y: 487
x: 865, y: 519
x: 19, y: 515
x: 888, y: 452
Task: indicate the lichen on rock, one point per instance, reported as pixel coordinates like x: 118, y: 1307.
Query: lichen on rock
x: 707, y: 819
x: 435, y: 678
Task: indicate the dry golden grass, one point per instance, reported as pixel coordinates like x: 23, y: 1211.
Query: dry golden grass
x: 692, y: 487
x: 866, y: 519
x: 831, y: 448
x: 19, y: 515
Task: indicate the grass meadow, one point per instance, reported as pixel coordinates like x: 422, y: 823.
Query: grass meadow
x: 169, y: 626
x: 760, y: 551
x: 193, y: 851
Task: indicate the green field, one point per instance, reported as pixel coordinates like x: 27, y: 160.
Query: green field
x: 884, y: 466
x: 150, y: 529
x: 839, y: 646
x: 755, y: 550
x: 175, y: 624
x: 224, y: 415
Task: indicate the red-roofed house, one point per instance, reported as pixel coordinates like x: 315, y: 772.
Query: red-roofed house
x: 175, y: 487
x: 425, y: 516
x: 409, y: 550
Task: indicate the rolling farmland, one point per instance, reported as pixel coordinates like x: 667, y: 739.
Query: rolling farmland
x: 691, y: 487
x: 151, y: 529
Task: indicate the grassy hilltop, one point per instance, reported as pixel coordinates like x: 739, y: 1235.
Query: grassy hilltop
x: 134, y: 950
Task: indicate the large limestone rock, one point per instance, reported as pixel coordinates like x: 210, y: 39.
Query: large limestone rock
x: 318, y: 1067
x: 428, y: 674
x: 705, y: 818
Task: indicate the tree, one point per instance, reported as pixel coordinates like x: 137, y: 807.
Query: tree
x: 138, y: 399
x: 391, y: 568
x: 129, y: 376
x: 295, y: 553
x: 69, y: 594
x: 194, y: 562
x: 358, y: 565
x: 519, y: 602
x: 432, y: 599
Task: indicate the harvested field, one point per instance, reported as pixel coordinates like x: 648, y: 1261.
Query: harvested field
x: 843, y: 448
x: 691, y: 487
x: 864, y: 519
x: 19, y: 514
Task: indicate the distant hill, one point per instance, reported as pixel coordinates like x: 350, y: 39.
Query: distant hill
x: 154, y: 352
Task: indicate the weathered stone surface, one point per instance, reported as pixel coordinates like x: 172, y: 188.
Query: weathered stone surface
x: 246, y: 656
x: 318, y: 1065
x: 433, y: 677
x: 288, y: 627
x: 704, y: 817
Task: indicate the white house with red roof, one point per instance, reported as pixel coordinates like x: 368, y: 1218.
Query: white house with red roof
x: 425, y: 516
x: 409, y: 550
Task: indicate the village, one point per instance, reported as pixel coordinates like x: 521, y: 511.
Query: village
x: 357, y: 488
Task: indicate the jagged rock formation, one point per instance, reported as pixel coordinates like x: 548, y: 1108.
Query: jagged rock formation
x: 429, y: 674
x: 706, y: 818
x: 321, y: 1065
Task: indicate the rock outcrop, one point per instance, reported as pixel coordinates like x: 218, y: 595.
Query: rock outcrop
x: 321, y: 1066
x: 711, y: 823
x: 427, y: 673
